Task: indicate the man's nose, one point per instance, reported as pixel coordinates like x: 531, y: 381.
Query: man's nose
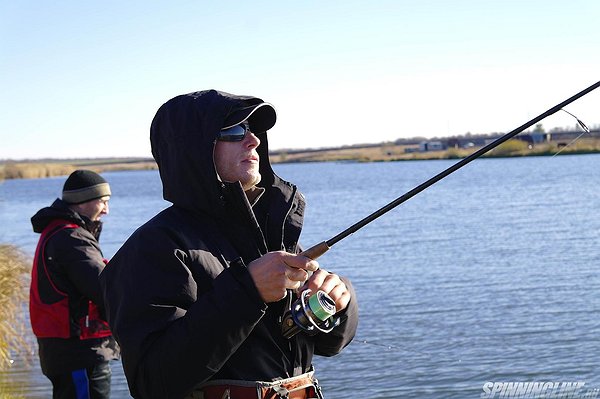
x: 252, y: 141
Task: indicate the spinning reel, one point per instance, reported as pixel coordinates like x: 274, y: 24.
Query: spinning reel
x: 311, y: 314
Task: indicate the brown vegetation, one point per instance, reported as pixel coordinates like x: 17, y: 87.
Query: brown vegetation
x: 394, y: 152
x: 36, y: 170
x: 14, y: 270
x: 367, y: 153
x: 33, y: 170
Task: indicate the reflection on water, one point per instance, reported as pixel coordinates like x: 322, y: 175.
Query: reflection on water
x: 489, y: 275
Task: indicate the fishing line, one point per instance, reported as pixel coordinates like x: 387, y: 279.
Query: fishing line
x: 583, y: 126
x: 322, y: 247
x: 395, y: 348
x: 390, y: 347
x: 314, y: 313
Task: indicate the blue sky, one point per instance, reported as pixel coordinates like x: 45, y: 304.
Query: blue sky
x: 84, y: 79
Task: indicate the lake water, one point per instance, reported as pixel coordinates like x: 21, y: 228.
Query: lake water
x: 490, y: 275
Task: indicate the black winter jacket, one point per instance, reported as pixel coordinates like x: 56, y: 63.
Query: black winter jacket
x: 68, y: 267
x: 179, y: 298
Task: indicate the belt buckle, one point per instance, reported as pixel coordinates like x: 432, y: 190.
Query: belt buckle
x: 282, y: 393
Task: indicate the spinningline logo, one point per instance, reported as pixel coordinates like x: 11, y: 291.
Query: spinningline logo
x: 538, y: 390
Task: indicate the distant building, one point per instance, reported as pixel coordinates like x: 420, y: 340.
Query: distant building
x: 538, y: 137
x: 425, y: 146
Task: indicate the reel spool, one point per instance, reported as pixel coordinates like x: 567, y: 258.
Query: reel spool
x: 311, y: 314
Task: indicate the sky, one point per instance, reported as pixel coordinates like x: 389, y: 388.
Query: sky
x: 82, y: 79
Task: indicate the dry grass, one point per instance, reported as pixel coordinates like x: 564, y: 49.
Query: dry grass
x: 584, y: 145
x: 368, y: 153
x: 33, y: 170
x: 123, y: 166
x: 14, y: 269
x: 392, y: 152
x: 384, y: 152
x: 36, y: 170
x: 510, y: 148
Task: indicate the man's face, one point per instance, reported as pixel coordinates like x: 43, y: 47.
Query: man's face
x: 238, y: 161
x: 93, y: 209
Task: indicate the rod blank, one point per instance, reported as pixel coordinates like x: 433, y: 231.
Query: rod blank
x: 319, y: 249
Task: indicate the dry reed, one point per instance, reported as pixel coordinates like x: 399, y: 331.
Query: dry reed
x: 14, y: 269
x: 34, y: 170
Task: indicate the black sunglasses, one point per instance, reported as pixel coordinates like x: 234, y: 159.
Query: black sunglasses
x: 234, y: 133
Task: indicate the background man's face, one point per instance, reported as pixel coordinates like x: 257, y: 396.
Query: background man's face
x: 93, y: 209
x: 238, y: 161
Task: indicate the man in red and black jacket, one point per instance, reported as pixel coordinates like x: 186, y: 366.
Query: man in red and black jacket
x: 66, y: 306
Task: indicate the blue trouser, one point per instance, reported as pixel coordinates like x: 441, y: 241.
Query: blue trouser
x: 90, y: 383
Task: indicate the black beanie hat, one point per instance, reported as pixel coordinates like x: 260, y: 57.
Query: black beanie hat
x: 83, y: 186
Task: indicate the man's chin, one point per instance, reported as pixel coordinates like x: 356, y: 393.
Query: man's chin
x: 251, y: 182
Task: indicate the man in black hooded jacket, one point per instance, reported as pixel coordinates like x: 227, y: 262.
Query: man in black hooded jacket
x: 195, y: 297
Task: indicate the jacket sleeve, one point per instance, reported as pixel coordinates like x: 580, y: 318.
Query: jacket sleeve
x: 172, y: 337
x: 81, y: 261
x: 333, y: 342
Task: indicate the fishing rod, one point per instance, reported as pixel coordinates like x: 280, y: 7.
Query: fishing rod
x: 322, y: 247
x: 313, y: 313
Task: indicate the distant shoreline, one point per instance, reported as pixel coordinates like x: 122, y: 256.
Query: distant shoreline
x: 385, y: 152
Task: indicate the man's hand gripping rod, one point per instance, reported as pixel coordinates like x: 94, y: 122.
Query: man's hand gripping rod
x: 314, y: 313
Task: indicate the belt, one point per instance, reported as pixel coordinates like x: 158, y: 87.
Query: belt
x: 304, y: 386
